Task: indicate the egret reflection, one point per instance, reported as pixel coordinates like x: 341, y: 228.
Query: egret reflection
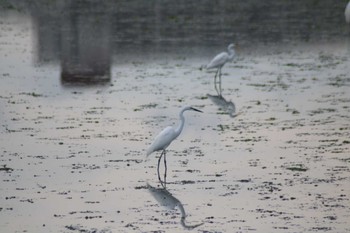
x: 225, y: 105
x: 166, y: 199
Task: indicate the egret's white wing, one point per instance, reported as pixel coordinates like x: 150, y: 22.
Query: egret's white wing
x: 162, y: 140
x: 218, y: 60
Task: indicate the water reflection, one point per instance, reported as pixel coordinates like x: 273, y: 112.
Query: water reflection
x: 347, y: 13
x: 89, y: 30
x: 225, y: 105
x: 79, y: 35
x: 86, y: 55
x: 166, y: 199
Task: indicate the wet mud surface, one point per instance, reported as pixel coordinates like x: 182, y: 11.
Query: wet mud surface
x: 272, y: 154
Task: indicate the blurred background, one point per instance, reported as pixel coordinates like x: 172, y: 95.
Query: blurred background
x: 85, y: 36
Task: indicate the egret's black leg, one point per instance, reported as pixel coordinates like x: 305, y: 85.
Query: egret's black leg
x: 166, y: 169
x: 160, y: 157
x: 216, y: 74
x: 220, y: 81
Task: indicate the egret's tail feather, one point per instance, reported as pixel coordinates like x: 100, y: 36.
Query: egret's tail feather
x: 149, y: 151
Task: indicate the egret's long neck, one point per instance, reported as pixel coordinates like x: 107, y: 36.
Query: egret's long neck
x: 183, y: 218
x: 181, y: 125
x: 182, y: 210
x: 231, y: 53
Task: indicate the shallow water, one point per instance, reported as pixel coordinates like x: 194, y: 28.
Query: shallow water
x: 79, y: 111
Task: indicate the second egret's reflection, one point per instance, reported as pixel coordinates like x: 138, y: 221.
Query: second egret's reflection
x: 166, y: 199
x: 227, y: 106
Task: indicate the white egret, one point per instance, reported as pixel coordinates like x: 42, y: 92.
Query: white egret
x: 219, y: 61
x: 347, y: 13
x: 164, y: 138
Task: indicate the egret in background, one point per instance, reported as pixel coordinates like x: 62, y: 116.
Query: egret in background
x: 347, y: 13
x: 164, y: 138
x: 219, y: 61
